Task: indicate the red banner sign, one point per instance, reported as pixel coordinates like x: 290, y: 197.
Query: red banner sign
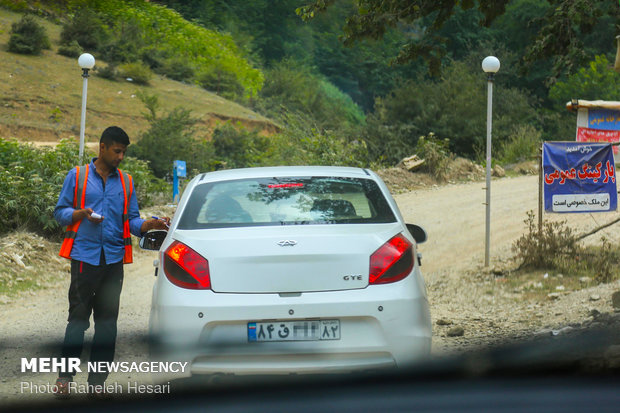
x: 599, y: 135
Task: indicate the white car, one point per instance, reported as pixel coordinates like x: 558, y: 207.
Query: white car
x: 289, y: 270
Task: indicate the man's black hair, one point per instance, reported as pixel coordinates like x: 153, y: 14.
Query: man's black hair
x: 114, y: 134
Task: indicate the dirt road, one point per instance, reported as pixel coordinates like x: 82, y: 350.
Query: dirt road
x: 461, y: 293
x: 454, y: 218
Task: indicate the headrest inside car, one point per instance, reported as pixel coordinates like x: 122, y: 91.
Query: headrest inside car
x: 334, y: 207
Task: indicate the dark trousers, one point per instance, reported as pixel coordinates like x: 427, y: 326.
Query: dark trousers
x: 94, y: 289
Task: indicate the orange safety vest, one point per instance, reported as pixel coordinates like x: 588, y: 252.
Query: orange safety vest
x: 81, y: 179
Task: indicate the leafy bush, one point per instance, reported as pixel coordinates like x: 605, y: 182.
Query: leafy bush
x: 522, y: 145
x: 176, y: 69
x: 107, y: 72
x: 150, y: 190
x: 30, y: 182
x: 302, y: 144
x: 28, y: 36
x: 31, y: 179
x: 297, y: 144
x: 118, y: 41
x: 222, y: 82
x: 169, y: 138
x: 453, y: 107
x: 436, y: 153
x: 163, y: 63
x: 153, y: 56
x: 239, y: 148
x: 138, y: 72
x: 125, y: 44
x: 293, y: 86
x: 166, y: 30
x: 71, y: 49
x: 340, y: 103
x: 151, y: 101
x: 596, y: 81
x: 387, y: 142
x: 87, y: 28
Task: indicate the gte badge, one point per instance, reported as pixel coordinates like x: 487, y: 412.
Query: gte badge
x: 287, y: 243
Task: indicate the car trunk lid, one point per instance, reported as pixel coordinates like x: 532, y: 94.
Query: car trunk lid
x: 278, y: 260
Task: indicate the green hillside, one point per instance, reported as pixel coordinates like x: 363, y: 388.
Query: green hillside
x: 41, y: 96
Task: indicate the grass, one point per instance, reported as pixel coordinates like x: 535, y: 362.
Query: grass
x: 41, y: 97
x: 536, y: 285
x: 24, y: 281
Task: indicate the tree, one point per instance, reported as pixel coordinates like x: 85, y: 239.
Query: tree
x: 28, y: 37
x: 291, y: 87
x: 372, y: 18
x: 87, y: 28
x: 563, y: 26
x: 236, y: 147
x: 363, y: 71
x: 452, y: 107
x: 271, y: 24
x: 566, y: 24
x: 170, y: 137
x: 596, y: 81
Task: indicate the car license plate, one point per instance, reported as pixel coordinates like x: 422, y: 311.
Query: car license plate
x: 306, y: 330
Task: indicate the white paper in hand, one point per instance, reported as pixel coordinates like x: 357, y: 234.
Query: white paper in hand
x: 95, y: 215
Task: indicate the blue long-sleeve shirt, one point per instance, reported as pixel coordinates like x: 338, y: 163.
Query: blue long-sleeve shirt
x: 106, y: 200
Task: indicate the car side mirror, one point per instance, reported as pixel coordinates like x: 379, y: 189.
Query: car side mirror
x: 152, y: 240
x: 417, y: 232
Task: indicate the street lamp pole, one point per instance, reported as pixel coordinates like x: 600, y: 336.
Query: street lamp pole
x: 490, y: 65
x: 86, y: 62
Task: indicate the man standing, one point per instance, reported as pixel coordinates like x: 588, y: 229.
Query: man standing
x: 100, y: 209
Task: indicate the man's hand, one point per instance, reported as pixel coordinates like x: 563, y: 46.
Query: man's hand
x: 86, y: 213
x: 155, y: 223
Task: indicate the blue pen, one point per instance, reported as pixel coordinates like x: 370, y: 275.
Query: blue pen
x: 158, y: 218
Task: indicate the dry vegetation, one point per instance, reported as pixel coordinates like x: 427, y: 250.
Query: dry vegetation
x: 399, y: 179
x: 28, y: 262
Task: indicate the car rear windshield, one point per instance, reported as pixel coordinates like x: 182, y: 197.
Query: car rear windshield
x: 285, y: 201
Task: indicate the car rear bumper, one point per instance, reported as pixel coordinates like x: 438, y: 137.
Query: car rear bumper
x: 291, y: 363
x: 380, y: 326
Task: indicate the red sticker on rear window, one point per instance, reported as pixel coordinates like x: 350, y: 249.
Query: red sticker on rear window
x: 288, y: 185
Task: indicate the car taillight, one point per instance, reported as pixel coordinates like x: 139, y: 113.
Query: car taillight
x: 392, y: 262
x: 186, y: 268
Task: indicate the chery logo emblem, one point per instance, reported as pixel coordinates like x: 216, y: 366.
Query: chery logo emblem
x: 287, y: 243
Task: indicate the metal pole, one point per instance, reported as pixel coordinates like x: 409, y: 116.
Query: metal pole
x: 540, y: 191
x: 83, y: 119
x: 488, y: 188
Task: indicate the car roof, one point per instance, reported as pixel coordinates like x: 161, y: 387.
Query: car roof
x: 282, y: 171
